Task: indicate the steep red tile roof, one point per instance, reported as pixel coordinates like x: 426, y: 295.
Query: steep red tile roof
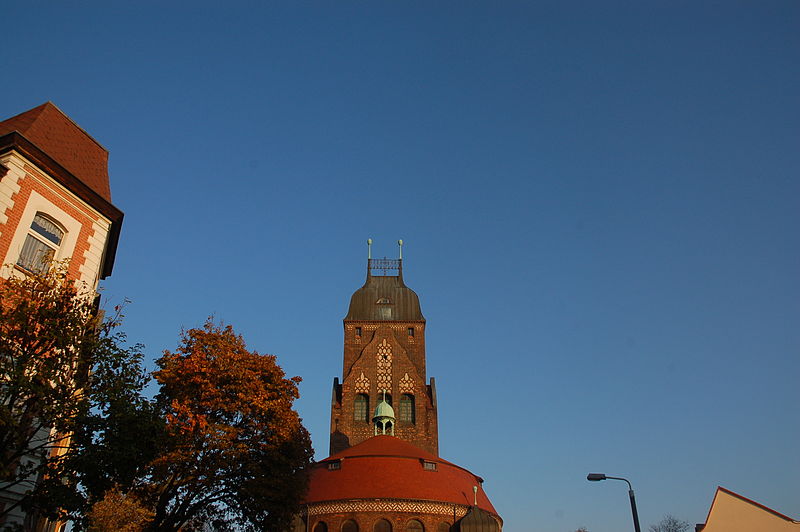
x: 64, y: 141
x: 389, y: 468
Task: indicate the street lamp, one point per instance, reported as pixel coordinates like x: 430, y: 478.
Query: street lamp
x: 601, y: 476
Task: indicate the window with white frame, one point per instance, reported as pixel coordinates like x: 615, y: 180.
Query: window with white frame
x: 41, y: 244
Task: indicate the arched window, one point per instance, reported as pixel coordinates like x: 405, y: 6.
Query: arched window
x: 349, y: 526
x: 321, y: 527
x: 407, y: 413
x: 382, y: 526
x: 41, y: 244
x: 361, y: 407
x: 415, y: 525
x: 298, y: 525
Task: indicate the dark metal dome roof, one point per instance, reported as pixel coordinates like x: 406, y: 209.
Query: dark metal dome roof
x: 478, y: 520
x: 384, y: 297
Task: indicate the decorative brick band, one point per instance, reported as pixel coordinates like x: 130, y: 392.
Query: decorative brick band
x: 387, y: 506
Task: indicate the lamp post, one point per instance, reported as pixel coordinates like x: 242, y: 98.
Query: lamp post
x: 601, y: 476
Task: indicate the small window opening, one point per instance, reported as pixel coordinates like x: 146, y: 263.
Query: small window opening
x: 415, y: 525
x: 358, y: 332
x: 349, y: 526
x: 429, y: 466
x: 411, y: 331
x: 336, y: 464
x: 382, y: 525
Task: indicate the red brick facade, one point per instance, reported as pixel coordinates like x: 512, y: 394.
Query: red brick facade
x: 394, y: 481
x: 367, y: 521
x: 384, y: 355
x: 38, y: 182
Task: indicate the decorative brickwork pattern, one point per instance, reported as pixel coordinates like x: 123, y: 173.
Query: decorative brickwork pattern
x: 389, y: 506
x: 362, y: 384
x: 384, y: 364
x: 406, y: 384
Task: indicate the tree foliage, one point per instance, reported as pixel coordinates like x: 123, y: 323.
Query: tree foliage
x: 59, y: 361
x: 670, y: 524
x: 119, y: 512
x: 219, y: 446
x: 236, y: 452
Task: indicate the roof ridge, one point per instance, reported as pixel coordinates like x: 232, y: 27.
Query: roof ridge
x: 751, y: 501
x: 65, y: 115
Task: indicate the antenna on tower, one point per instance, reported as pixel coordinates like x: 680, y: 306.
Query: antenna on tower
x: 369, y: 248
x: 400, y: 244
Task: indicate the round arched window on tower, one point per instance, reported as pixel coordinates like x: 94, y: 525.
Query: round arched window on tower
x: 321, y: 527
x: 415, y: 525
x: 349, y: 526
x: 382, y: 526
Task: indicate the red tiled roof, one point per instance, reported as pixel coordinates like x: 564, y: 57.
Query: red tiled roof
x: 58, y: 136
x: 389, y: 468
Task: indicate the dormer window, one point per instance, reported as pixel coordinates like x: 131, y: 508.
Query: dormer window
x: 428, y: 466
x: 383, y: 301
x: 334, y: 465
x: 41, y: 244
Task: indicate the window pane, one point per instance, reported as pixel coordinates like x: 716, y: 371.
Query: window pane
x: 415, y: 526
x: 406, y: 413
x: 350, y: 526
x: 361, y: 408
x: 383, y: 526
x: 36, y: 255
x: 47, y: 229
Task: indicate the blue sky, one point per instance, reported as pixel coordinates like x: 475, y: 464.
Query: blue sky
x: 599, y: 203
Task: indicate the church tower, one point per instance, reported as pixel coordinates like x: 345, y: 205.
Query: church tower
x: 384, y: 361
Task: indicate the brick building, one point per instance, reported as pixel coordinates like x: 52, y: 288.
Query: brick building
x: 55, y: 205
x: 55, y: 199
x: 384, y: 473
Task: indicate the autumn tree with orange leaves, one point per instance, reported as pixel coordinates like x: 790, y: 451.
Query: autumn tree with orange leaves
x: 61, y: 365
x: 236, y: 453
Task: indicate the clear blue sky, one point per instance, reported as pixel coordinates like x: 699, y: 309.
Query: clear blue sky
x: 600, y: 204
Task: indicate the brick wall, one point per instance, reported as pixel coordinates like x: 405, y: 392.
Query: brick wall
x: 366, y: 372
x: 89, y: 230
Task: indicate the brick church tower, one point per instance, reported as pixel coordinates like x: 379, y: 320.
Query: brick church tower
x: 385, y: 473
x: 384, y: 359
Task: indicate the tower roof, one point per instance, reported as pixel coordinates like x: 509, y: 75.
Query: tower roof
x: 388, y: 467
x: 55, y: 134
x: 384, y: 409
x: 384, y: 297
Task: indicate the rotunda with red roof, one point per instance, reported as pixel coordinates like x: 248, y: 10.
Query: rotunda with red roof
x: 384, y: 473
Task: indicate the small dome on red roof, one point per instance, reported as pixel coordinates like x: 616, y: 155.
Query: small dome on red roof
x: 390, y: 468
